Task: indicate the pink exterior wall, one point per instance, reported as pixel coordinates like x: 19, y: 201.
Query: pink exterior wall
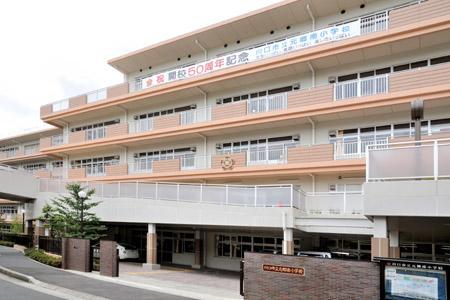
x: 420, y: 78
x: 170, y: 165
x: 116, y: 170
x: 419, y: 12
x: 239, y: 160
x: 117, y: 130
x: 77, y: 173
x: 77, y: 101
x: 166, y: 121
x: 306, y: 154
x: 45, y: 142
x: 321, y: 94
x: 77, y: 137
x: 117, y: 90
x: 231, y: 110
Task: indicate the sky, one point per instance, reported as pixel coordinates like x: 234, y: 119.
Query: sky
x: 54, y: 49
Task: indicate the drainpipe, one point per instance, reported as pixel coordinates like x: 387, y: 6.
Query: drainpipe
x: 313, y: 74
x: 205, y: 148
x: 205, y: 96
x: 313, y: 182
x: 313, y: 129
x: 205, y: 51
x: 311, y: 16
x: 125, y: 111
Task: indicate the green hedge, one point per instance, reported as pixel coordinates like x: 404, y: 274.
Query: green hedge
x: 40, y: 256
x: 6, y: 244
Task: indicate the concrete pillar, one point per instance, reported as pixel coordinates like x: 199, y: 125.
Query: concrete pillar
x: 152, y: 263
x: 288, y: 241
x: 198, y: 251
x: 39, y: 230
x: 394, y: 247
x: 380, y: 240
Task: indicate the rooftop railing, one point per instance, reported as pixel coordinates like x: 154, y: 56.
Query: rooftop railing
x: 416, y: 160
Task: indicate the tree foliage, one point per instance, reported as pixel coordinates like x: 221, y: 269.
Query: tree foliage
x: 70, y: 216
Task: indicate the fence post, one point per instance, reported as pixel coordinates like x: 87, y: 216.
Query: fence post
x: 435, y: 160
x: 178, y: 192
x: 156, y: 191
x: 118, y: 189
x: 292, y: 195
x: 137, y: 189
x: 345, y: 200
x: 226, y: 194
x: 256, y: 196
x: 201, y: 193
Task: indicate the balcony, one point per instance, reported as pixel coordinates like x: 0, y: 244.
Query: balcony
x: 408, y: 179
x: 435, y: 77
x: 347, y: 29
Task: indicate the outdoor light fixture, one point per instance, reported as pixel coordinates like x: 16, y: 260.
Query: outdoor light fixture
x: 82, y: 194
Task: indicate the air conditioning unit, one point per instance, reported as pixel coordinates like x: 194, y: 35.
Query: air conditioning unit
x: 219, y: 146
x: 218, y: 101
x: 296, y: 86
x: 332, y: 188
x: 296, y: 138
x: 332, y: 79
x: 332, y: 133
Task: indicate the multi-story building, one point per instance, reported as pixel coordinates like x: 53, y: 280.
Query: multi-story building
x: 11, y: 213
x: 251, y: 134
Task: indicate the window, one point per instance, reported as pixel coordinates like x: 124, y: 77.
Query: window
x: 31, y: 148
x: 95, y: 166
x: 184, y: 243
x: 419, y: 64
x: 254, y: 95
x: 441, y: 125
x: 35, y: 166
x: 164, y: 112
x: 95, y: 125
x: 440, y: 60
x: 401, y: 68
x: 60, y: 105
x: 8, y: 209
x: 257, y: 145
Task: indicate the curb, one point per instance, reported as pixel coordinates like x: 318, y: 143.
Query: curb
x: 17, y: 275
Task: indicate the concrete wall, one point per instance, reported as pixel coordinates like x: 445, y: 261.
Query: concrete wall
x: 426, y: 198
x: 322, y: 279
x: 18, y: 183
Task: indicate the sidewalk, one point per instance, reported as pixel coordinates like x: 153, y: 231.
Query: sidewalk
x: 87, y: 288
x: 133, y: 283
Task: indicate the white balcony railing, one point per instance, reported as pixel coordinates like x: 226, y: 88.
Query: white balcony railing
x: 409, y: 161
x: 31, y: 149
x: 95, y: 170
x: 95, y: 133
x: 361, y: 87
x: 141, y: 166
x: 267, y: 103
x: 356, y: 149
x: 195, y: 162
x: 198, y: 115
x: 57, y: 140
x: 333, y: 203
x: 375, y: 22
x: 267, y: 156
x: 96, y: 95
x: 141, y: 125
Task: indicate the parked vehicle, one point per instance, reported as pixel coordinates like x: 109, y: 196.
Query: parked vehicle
x: 126, y: 251
x: 314, y: 254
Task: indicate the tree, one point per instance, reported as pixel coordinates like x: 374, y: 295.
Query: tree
x: 17, y: 225
x: 70, y: 216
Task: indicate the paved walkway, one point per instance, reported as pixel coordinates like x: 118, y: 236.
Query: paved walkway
x: 16, y: 261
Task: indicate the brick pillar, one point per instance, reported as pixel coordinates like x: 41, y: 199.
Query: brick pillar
x: 198, y: 251
x: 380, y: 240
x: 288, y: 241
x: 152, y: 263
x: 394, y: 247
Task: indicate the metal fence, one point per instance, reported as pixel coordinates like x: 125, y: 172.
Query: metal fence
x: 361, y: 87
x: 20, y: 239
x: 51, y: 245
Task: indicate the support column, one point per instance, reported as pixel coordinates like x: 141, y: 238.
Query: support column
x: 288, y: 241
x: 380, y: 240
x: 198, y: 251
x: 152, y: 263
x: 394, y: 247
x: 39, y: 230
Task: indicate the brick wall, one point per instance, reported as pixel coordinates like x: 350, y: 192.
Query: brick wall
x: 166, y: 121
x: 240, y: 160
x: 323, y: 278
x: 77, y: 136
x: 226, y: 111
x: 77, y: 173
x: 426, y: 77
x: 76, y: 254
x: 116, y: 170
x: 117, y: 90
x: 117, y: 130
x: 417, y: 13
x: 77, y: 101
x: 321, y: 94
x: 305, y: 154
x: 170, y: 165
x: 108, y: 259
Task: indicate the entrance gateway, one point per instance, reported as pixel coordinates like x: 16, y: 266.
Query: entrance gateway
x: 267, y: 276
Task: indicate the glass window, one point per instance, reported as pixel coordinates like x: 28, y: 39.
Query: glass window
x: 440, y: 60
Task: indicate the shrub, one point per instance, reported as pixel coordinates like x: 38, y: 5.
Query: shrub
x: 6, y: 244
x: 40, y: 256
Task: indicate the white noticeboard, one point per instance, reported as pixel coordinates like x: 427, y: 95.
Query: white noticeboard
x: 413, y: 286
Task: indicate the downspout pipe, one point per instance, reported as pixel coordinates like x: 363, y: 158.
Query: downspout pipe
x: 311, y: 16
x: 313, y: 131
x: 205, y: 51
x: 313, y: 74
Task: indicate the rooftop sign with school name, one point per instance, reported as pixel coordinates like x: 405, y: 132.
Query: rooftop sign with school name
x: 329, y: 34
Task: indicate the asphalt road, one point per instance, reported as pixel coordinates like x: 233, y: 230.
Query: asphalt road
x: 16, y: 261
x: 11, y: 291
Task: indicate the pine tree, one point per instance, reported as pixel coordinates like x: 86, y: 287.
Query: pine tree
x: 70, y: 216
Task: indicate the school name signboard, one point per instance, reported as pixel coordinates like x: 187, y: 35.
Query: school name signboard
x: 284, y: 269
x: 290, y: 44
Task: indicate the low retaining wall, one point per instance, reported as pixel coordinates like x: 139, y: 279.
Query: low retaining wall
x: 309, y: 278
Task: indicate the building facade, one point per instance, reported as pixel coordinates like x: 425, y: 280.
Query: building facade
x: 251, y: 135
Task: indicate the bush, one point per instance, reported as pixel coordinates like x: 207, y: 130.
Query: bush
x: 40, y: 256
x: 6, y: 244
